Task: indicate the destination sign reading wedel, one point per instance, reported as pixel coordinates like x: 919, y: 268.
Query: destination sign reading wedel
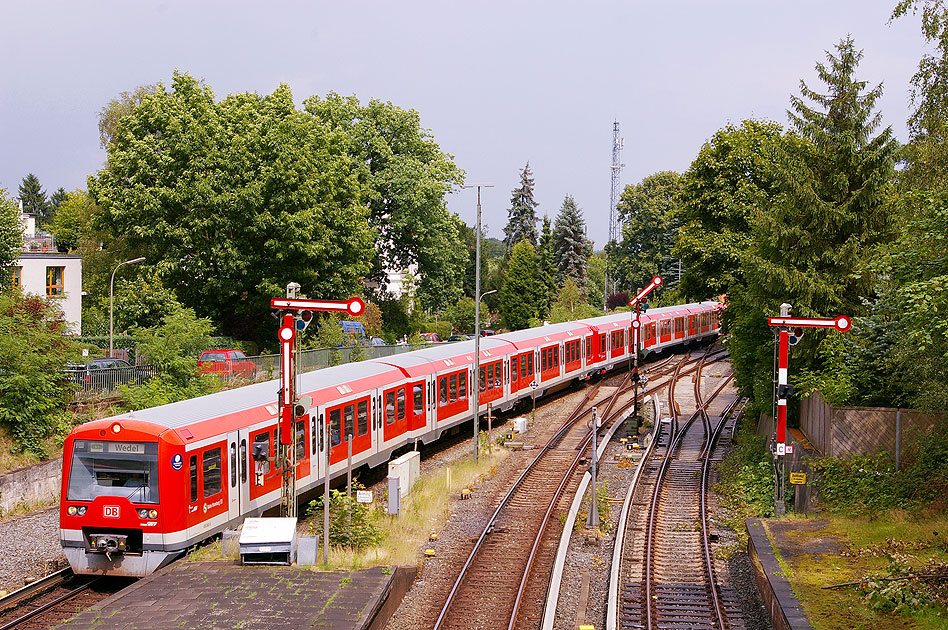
x: 129, y: 448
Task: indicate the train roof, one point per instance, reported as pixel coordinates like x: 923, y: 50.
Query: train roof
x: 254, y: 399
x: 533, y: 337
x: 436, y: 358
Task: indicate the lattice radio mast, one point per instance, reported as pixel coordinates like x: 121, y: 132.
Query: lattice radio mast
x: 614, y: 228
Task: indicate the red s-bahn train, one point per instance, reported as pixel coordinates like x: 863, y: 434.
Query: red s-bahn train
x: 141, y: 487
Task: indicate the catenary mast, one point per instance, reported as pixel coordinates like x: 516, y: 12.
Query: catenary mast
x: 614, y: 229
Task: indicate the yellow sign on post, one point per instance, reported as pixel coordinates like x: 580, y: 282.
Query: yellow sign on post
x: 798, y: 478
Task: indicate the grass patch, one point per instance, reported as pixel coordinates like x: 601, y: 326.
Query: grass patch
x: 425, y: 509
x: 889, y: 544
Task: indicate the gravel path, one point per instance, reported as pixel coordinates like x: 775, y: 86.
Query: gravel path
x: 30, y: 547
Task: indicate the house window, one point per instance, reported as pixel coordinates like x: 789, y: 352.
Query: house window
x: 54, y: 280
x: 17, y: 280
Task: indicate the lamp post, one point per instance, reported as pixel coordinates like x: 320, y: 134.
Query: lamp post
x: 111, y: 294
x: 477, y: 309
x: 477, y: 365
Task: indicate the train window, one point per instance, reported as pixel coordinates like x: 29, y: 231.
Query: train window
x: 498, y: 375
x: 335, y: 428
x: 523, y: 365
x: 264, y: 439
x: 313, y: 433
x: 401, y: 403
x: 348, y: 417
x: 453, y: 388
x: 363, y: 417
x: 490, y: 377
x: 462, y: 385
x: 322, y: 432
x: 300, y: 440
x: 418, y: 398
x: 556, y: 356
x: 114, y: 469
x: 243, y: 461
x: 602, y: 344
x: 194, y: 478
x: 443, y: 389
x: 482, y: 381
x: 389, y: 407
x: 233, y: 465
x: 530, y: 364
x: 212, y: 471
x: 543, y: 360
x: 513, y: 368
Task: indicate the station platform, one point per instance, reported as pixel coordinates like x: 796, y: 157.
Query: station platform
x: 227, y: 595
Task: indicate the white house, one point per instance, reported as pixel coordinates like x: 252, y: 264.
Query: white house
x: 42, y: 270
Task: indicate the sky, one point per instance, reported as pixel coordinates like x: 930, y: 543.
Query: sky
x: 498, y: 84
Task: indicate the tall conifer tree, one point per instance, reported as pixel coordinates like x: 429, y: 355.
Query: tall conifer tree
x: 546, y: 269
x: 34, y: 199
x: 571, y: 246
x: 522, y: 215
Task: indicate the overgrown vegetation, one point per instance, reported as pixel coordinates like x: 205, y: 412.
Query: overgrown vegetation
x: 351, y: 524
x: 870, y: 485
x: 747, y: 479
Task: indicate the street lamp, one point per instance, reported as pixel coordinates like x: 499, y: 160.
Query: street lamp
x: 477, y: 312
x: 111, y: 293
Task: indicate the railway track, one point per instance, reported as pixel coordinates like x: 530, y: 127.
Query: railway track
x: 512, y: 557
x: 666, y: 578
x: 53, y: 599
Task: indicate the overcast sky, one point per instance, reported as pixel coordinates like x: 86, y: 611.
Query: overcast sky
x: 497, y: 83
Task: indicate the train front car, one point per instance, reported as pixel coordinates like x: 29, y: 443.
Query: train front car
x: 118, y: 476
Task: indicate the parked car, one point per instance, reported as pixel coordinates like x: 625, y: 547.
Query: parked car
x: 377, y: 341
x: 229, y: 363
x: 453, y: 338
x: 431, y: 337
x: 106, y: 374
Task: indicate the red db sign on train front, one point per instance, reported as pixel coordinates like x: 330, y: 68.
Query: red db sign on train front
x: 110, y: 511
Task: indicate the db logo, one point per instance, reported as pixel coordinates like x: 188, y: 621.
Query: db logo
x: 110, y: 511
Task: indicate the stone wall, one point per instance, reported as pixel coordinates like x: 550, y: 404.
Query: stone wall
x: 31, y: 485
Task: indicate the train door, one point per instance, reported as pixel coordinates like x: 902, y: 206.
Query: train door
x: 234, y: 487
x: 300, y: 441
x: 395, y: 413
x: 416, y: 411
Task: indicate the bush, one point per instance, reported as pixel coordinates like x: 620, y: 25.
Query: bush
x: 33, y: 350
x: 363, y: 530
x: 747, y: 475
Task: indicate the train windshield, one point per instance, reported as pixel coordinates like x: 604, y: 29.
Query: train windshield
x: 114, y: 469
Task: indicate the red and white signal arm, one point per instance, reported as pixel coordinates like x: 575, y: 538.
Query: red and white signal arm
x: 841, y: 323
x: 354, y: 305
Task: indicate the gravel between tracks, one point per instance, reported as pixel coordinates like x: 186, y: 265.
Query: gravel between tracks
x: 30, y: 547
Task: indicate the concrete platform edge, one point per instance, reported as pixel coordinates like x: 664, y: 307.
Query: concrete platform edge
x: 381, y: 609
x: 782, y: 604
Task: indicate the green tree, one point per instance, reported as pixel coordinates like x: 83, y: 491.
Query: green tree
x: 406, y: 176
x: 231, y: 200
x: 118, y: 108
x: 55, y: 201
x: 34, y: 347
x: 926, y: 155
x: 596, y: 280
x: 11, y: 238
x: 572, y: 248
x: 571, y: 304
x: 522, y: 215
x: 546, y: 270
x: 34, y: 200
x: 518, y: 297
x: 650, y: 223
x: 732, y: 179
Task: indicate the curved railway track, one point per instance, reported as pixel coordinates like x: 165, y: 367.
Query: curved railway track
x: 667, y: 576
x: 512, y: 556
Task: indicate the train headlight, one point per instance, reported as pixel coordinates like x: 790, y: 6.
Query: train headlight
x: 72, y: 510
x: 153, y: 513
x: 147, y: 513
x: 82, y: 510
x: 143, y: 512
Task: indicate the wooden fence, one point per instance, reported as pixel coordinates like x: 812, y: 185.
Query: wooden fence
x: 848, y: 431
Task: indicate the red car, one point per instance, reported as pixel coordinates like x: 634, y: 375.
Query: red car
x: 431, y: 337
x: 230, y: 363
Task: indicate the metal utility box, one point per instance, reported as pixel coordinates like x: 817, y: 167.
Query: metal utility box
x: 268, y: 541
x: 520, y: 425
x: 406, y: 468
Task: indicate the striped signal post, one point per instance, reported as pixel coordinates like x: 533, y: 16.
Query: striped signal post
x: 784, y: 391
x: 291, y: 408
x: 636, y: 326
